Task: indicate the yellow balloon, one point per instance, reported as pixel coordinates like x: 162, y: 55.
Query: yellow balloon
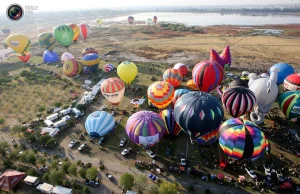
x: 99, y: 21
x: 19, y: 43
x: 127, y: 71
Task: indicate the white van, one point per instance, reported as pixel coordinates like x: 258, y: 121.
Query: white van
x: 32, y: 180
x: 65, y: 112
x: 52, y: 117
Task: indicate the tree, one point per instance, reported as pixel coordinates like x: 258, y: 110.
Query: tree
x: 56, y: 177
x: 86, y: 190
x: 168, y: 188
x: 51, y: 142
x: 141, y: 182
x: 7, y: 163
x: 46, y: 177
x: 14, y: 155
x: 72, y: 169
x: 65, y: 166
x: 31, y: 158
x: 54, y: 164
x: 23, y: 157
x: 3, y: 147
x: 91, y: 173
x: 42, y: 161
x: 44, y: 138
x: 82, y: 173
x: 126, y: 181
x: 31, y: 172
x: 2, y: 121
x: 154, y: 189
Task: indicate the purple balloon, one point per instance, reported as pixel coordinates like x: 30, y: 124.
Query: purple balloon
x: 50, y: 57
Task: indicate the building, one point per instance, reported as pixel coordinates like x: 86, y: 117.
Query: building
x: 10, y: 178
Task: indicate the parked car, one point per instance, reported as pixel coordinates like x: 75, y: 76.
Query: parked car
x: 73, y: 143
x: 280, y: 176
x: 150, y: 153
x: 251, y: 173
x: 44, y: 168
x: 126, y: 151
x: 122, y: 142
x: 267, y: 170
x: 169, y: 150
x: 92, y: 183
x: 83, y: 147
x: 100, y: 142
x: 183, y: 162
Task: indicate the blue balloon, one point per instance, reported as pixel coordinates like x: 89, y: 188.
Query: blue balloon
x: 284, y: 71
x: 150, y: 175
x: 90, y: 69
x: 50, y: 57
x: 99, y: 123
x: 153, y: 178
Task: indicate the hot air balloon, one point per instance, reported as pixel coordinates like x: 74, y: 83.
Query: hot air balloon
x: 284, y: 71
x: 50, y: 57
x: 149, y: 21
x: 238, y: 101
x: 41, y: 29
x: 155, y: 19
x: 289, y: 103
x: 182, y: 68
x: 63, y: 34
x: 191, y: 84
x: 264, y: 75
x: 208, y: 139
x: 66, y: 56
x: 47, y: 41
x: 292, y: 82
x: 6, y: 53
x: 89, y: 50
x: 172, y: 76
x: 85, y: 30
x: 145, y: 128
x: 113, y: 90
x: 19, y: 43
x: 127, y: 71
x: 160, y: 94
x: 5, y: 30
x: 178, y: 93
x: 76, y: 31
x: 224, y: 60
x: 99, y: 123
x: 99, y: 21
x: 241, y: 139
x: 108, y: 67
x: 25, y: 58
x: 238, y: 82
x: 130, y: 19
x: 172, y: 128
x: 207, y: 75
x: 198, y: 113
x: 150, y: 104
x: 91, y: 62
x: 71, y: 67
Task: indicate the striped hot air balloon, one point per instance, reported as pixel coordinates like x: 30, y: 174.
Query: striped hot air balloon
x: 47, y: 41
x: 145, y: 128
x: 207, y: 75
x: 76, y: 31
x: 292, y: 82
x: 63, y: 34
x: 91, y: 62
x: 182, y: 68
x: 289, y: 103
x: 130, y: 19
x: 113, y: 90
x: 89, y: 50
x: 238, y: 101
x: 172, y: 76
x: 155, y: 19
x: 99, y: 123
x: 178, y: 93
x: 172, y: 128
x: 108, y: 67
x: 85, y: 30
x: 209, y: 138
x: 160, y: 94
x: 241, y: 139
x: 191, y: 84
x: 71, y: 67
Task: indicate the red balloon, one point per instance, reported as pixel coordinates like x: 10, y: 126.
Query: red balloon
x: 25, y: 58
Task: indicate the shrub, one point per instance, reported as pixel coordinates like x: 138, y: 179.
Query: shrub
x: 86, y: 190
x: 78, y: 162
x: 89, y: 165
x: 82, y: 173
x: 31, y: 172
x: 57, y: 104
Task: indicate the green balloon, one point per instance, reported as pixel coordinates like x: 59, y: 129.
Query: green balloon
x: 47, y: 41
x: 63, y: 34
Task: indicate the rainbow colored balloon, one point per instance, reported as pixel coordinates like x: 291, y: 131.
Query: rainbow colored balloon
x: 160, y: 94
x: 88, y: 51
x: 241, y: 139
x: 71, y: 67
x: 207, y: 75
x: 178, y: 93
x: 191, y: 84
x: 289, y: 103
x: 145, y: 128
x: 209, y: 138
x: 172, y: 128
x: 173, y: 77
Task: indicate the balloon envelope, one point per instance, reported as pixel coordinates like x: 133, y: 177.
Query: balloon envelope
x: 130, y: 19
x: 108, y: 67
x: 99, y: 21
x: 89, y: 50
x: 145, y: 128
x: 160, y: 94
x: 241, y: 139
x: 63, y: 34
x: 198, y: 113
x: 127, y: 71
x: 191, y: 84
x: 6, y: 53
x: 50, y: 57
x: 155, y: 19
x: 172, y: 76
x: 71, y: 67
x: 91, y: 59
x: 47, y: 41
x: 178, y: 93
x: 5, y: 30
x: 172, y: 128
x: 25, y: 58
x: 41, y: 29
x: 182, y: 68
x: 99, y: 123
x: 76, y: 31
x: 289, y: 104
x: 292, y: 82
x: 209, y: 138
x: 85, y: 30
x: 238, y: 82
x: 66, y: 56
x: 284, y: 71
x: 19, y: 43
x: 113, y: 90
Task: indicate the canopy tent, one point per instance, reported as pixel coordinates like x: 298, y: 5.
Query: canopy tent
x: 10, y: 178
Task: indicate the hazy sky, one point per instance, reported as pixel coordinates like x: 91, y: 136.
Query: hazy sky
x: 44, y: 5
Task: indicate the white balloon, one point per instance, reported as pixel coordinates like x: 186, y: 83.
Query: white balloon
x: 6, y: 53
x: 41, y: 29
x: 66, y: 56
